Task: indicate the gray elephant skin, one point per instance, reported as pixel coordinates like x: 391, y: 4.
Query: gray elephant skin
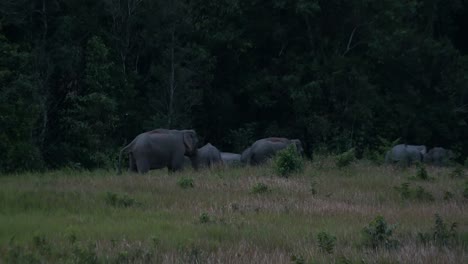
x: 405, y: 154
x: 231, y: 159
x: 263, y: 149
x: 207, y: 156
x: 160, y: 148
x: 438, y: 156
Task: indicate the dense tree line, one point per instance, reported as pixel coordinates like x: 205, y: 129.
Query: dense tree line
x: 80, y: 78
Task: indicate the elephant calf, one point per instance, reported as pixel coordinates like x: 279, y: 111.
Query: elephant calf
x: 405, y: 154
x: 230, y: 158
x: 263, y: 149
x: 208, y: 156
x: 438, y: 156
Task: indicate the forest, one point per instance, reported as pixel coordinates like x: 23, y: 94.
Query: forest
x: 79, y: 79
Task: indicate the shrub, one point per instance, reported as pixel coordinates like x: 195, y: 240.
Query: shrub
x: 288, y: 161
x: 448, y: 195
x: 185, y: 183
x: 441, y: 235
x: 421, y: 172
x: 379, y: 234
x: 260, y: 188
x: 458, y: 172
x: 465, y: 191
x: 345, y: 158
x: 377, y: 155
x: 297, y: 259
x: 423, y: 195
x: 204, y: 218
x: 326, y: 242
x: 313, y: 187
x: 118, y: 200
x: 404, y: 190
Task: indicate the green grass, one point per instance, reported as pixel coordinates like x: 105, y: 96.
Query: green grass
x: 161, y: 223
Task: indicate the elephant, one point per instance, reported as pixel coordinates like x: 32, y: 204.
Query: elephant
x: 263, y: 149
x: 405, y: 154
x: 160, y: 148
x: 438, y: 156
x: 230, y: 158
x: 245, y: 156
x: 207, y: 156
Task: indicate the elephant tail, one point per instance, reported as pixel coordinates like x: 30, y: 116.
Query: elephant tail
x: 122, y: 151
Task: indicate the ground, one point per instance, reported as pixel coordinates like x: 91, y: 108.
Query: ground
x: 70, y: 216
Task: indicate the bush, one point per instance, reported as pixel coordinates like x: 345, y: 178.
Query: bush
x: 345, y: 158
x: 406, y: 192
x: 118, y: 200
x: 441, y: 235
x: 465, y: 191
x: 288, y: 161
x: 185, y: 183
x: 204, y: 218
x: 297, y: 259
x: 326, y: 242
x: 423, y: 195
x: 379, y: 234
x: 260, y: 188
x: 421, y: 172
x: 458, y: 172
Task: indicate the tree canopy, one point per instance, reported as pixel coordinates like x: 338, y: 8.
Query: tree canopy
x: 80, y: 78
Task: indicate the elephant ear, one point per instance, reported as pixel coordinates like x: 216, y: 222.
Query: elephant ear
x: 298, y: 145
x: 190, y: 141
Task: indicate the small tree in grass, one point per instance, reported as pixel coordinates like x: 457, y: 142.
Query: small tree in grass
x: 288, y: 161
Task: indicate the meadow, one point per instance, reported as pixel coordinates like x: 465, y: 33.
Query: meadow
x: 236, y: 215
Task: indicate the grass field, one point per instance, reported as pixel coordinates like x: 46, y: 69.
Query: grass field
x: 226, y: 217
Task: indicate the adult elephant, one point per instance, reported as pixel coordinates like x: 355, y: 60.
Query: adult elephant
x: 263, y: 149
x: 245, y: 156
x: 438, y: 156
x: 208, y: 156
x: 160, y: 148
x: 405, y: 154
x: 230, y: 158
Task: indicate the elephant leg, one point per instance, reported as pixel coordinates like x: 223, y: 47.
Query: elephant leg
x: 142, y: 166
x: 176, y: 164
x: 132, y: 164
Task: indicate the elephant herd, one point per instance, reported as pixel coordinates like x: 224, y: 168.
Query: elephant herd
x: 176, y: 149
x: 410, y: 154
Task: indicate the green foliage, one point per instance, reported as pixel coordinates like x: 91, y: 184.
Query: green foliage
x: 75, y: 88
x: 421, y: 172
x: 288, y: 161
x: 420, y: 194
x: 92, y: 116
x: 119, y: 200
x: 379, y: 234
x: 377, y: 155
x: 345, y: 158
x: 465, y: 191
x: 297, y: 259
x: 260, y: 188
x: 313, y: 187
x: 185, y: 183
x: 21, y: 110
x: 440, y: 234
x: 326, y: 242
x: 457, y: 172
x: 448, y: 196
x: 204, y: 218
x: 404, y: 190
